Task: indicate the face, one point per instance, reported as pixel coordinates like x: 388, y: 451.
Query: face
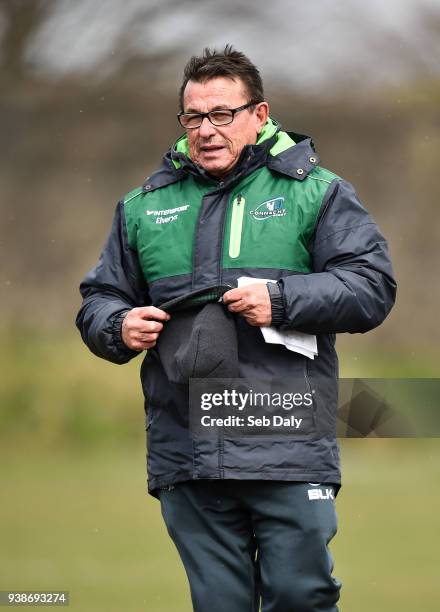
x: 217, y: 148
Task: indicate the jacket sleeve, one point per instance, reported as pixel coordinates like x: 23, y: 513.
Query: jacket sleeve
x: 109, y: 291
x: 352, y: 286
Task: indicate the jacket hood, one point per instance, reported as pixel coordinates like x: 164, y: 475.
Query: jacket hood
x: 287, y: 153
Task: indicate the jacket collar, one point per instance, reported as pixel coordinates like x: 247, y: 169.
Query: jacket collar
x: 251, y: 158
x: 286, y: 153
x: 295, y: 161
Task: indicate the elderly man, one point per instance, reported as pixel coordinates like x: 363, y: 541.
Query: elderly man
x: 251, y: 516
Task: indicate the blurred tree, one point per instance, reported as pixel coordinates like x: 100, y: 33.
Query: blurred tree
x: 73, y: 141
x: 20, y: 19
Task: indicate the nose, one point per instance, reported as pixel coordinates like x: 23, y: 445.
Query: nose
x: 206, y: 128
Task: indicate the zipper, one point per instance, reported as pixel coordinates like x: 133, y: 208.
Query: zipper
x: 310, y: 390
x: 236, y: 226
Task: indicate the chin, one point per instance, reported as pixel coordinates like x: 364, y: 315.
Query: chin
x: 216, y: 167
x: 216, y: 170
x: 213, y: 169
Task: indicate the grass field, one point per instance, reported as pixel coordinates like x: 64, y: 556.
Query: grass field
x: 82, y: 522
x: 74, y: 514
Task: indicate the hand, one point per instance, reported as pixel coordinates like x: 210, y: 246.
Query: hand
x: 141, y: 327
x: 252, y: 302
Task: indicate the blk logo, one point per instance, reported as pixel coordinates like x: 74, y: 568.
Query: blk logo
x: 320, y: 494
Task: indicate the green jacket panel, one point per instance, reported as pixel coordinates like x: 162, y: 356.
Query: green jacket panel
x: 269, y: 223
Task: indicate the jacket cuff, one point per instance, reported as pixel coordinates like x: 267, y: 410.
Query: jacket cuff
x: 116, y: 329
x: 277, y: 304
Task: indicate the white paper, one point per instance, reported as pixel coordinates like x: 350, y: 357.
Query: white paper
x: 296, y: 341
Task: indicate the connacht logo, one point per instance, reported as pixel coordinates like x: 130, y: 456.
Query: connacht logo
x: 269, y: 209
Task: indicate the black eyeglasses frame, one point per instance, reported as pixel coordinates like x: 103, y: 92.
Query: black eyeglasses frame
x: 233, y: 112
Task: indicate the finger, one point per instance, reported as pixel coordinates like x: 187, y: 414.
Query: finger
x: 252, y: 320
x: 232, y: 296
x: 253, y: 323
x: 151, y: 312
x: 141, y: 331
x: 141, y: 345
x: 257, y: 319
x: 147, y: 327
x: 142, y: 337
x: 239, y: 306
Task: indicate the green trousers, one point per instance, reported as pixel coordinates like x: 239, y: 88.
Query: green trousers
x: 246, y: 544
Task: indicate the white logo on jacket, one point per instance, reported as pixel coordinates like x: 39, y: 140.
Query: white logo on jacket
x: 169, y: 215
x: 269, y: 209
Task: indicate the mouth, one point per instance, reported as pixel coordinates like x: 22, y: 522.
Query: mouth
x: 211, y: 148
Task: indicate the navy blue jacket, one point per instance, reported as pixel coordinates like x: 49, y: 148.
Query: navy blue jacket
x: 349, y: 287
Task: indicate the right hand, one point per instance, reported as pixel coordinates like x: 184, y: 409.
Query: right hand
x: 141, y: 327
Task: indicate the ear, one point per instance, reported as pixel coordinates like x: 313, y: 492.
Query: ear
x: 261, y: 113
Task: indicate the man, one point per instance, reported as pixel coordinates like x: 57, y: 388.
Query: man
x: 236, y: 196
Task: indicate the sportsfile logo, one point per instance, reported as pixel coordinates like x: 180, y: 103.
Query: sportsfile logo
x: 169, y: 215
x: 317, y: 494
x: 269, y: 209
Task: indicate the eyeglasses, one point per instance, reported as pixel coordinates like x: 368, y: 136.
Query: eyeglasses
x: 190, y: 121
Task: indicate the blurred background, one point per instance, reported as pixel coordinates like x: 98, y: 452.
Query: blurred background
x: 88, y: 102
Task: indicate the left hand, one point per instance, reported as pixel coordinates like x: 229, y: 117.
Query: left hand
x: 252, y: 302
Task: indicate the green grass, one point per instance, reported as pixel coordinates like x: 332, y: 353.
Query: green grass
x: 387, y: 548
x: 53, y: 390
x: 81, y: 521
x: 74, y: 514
